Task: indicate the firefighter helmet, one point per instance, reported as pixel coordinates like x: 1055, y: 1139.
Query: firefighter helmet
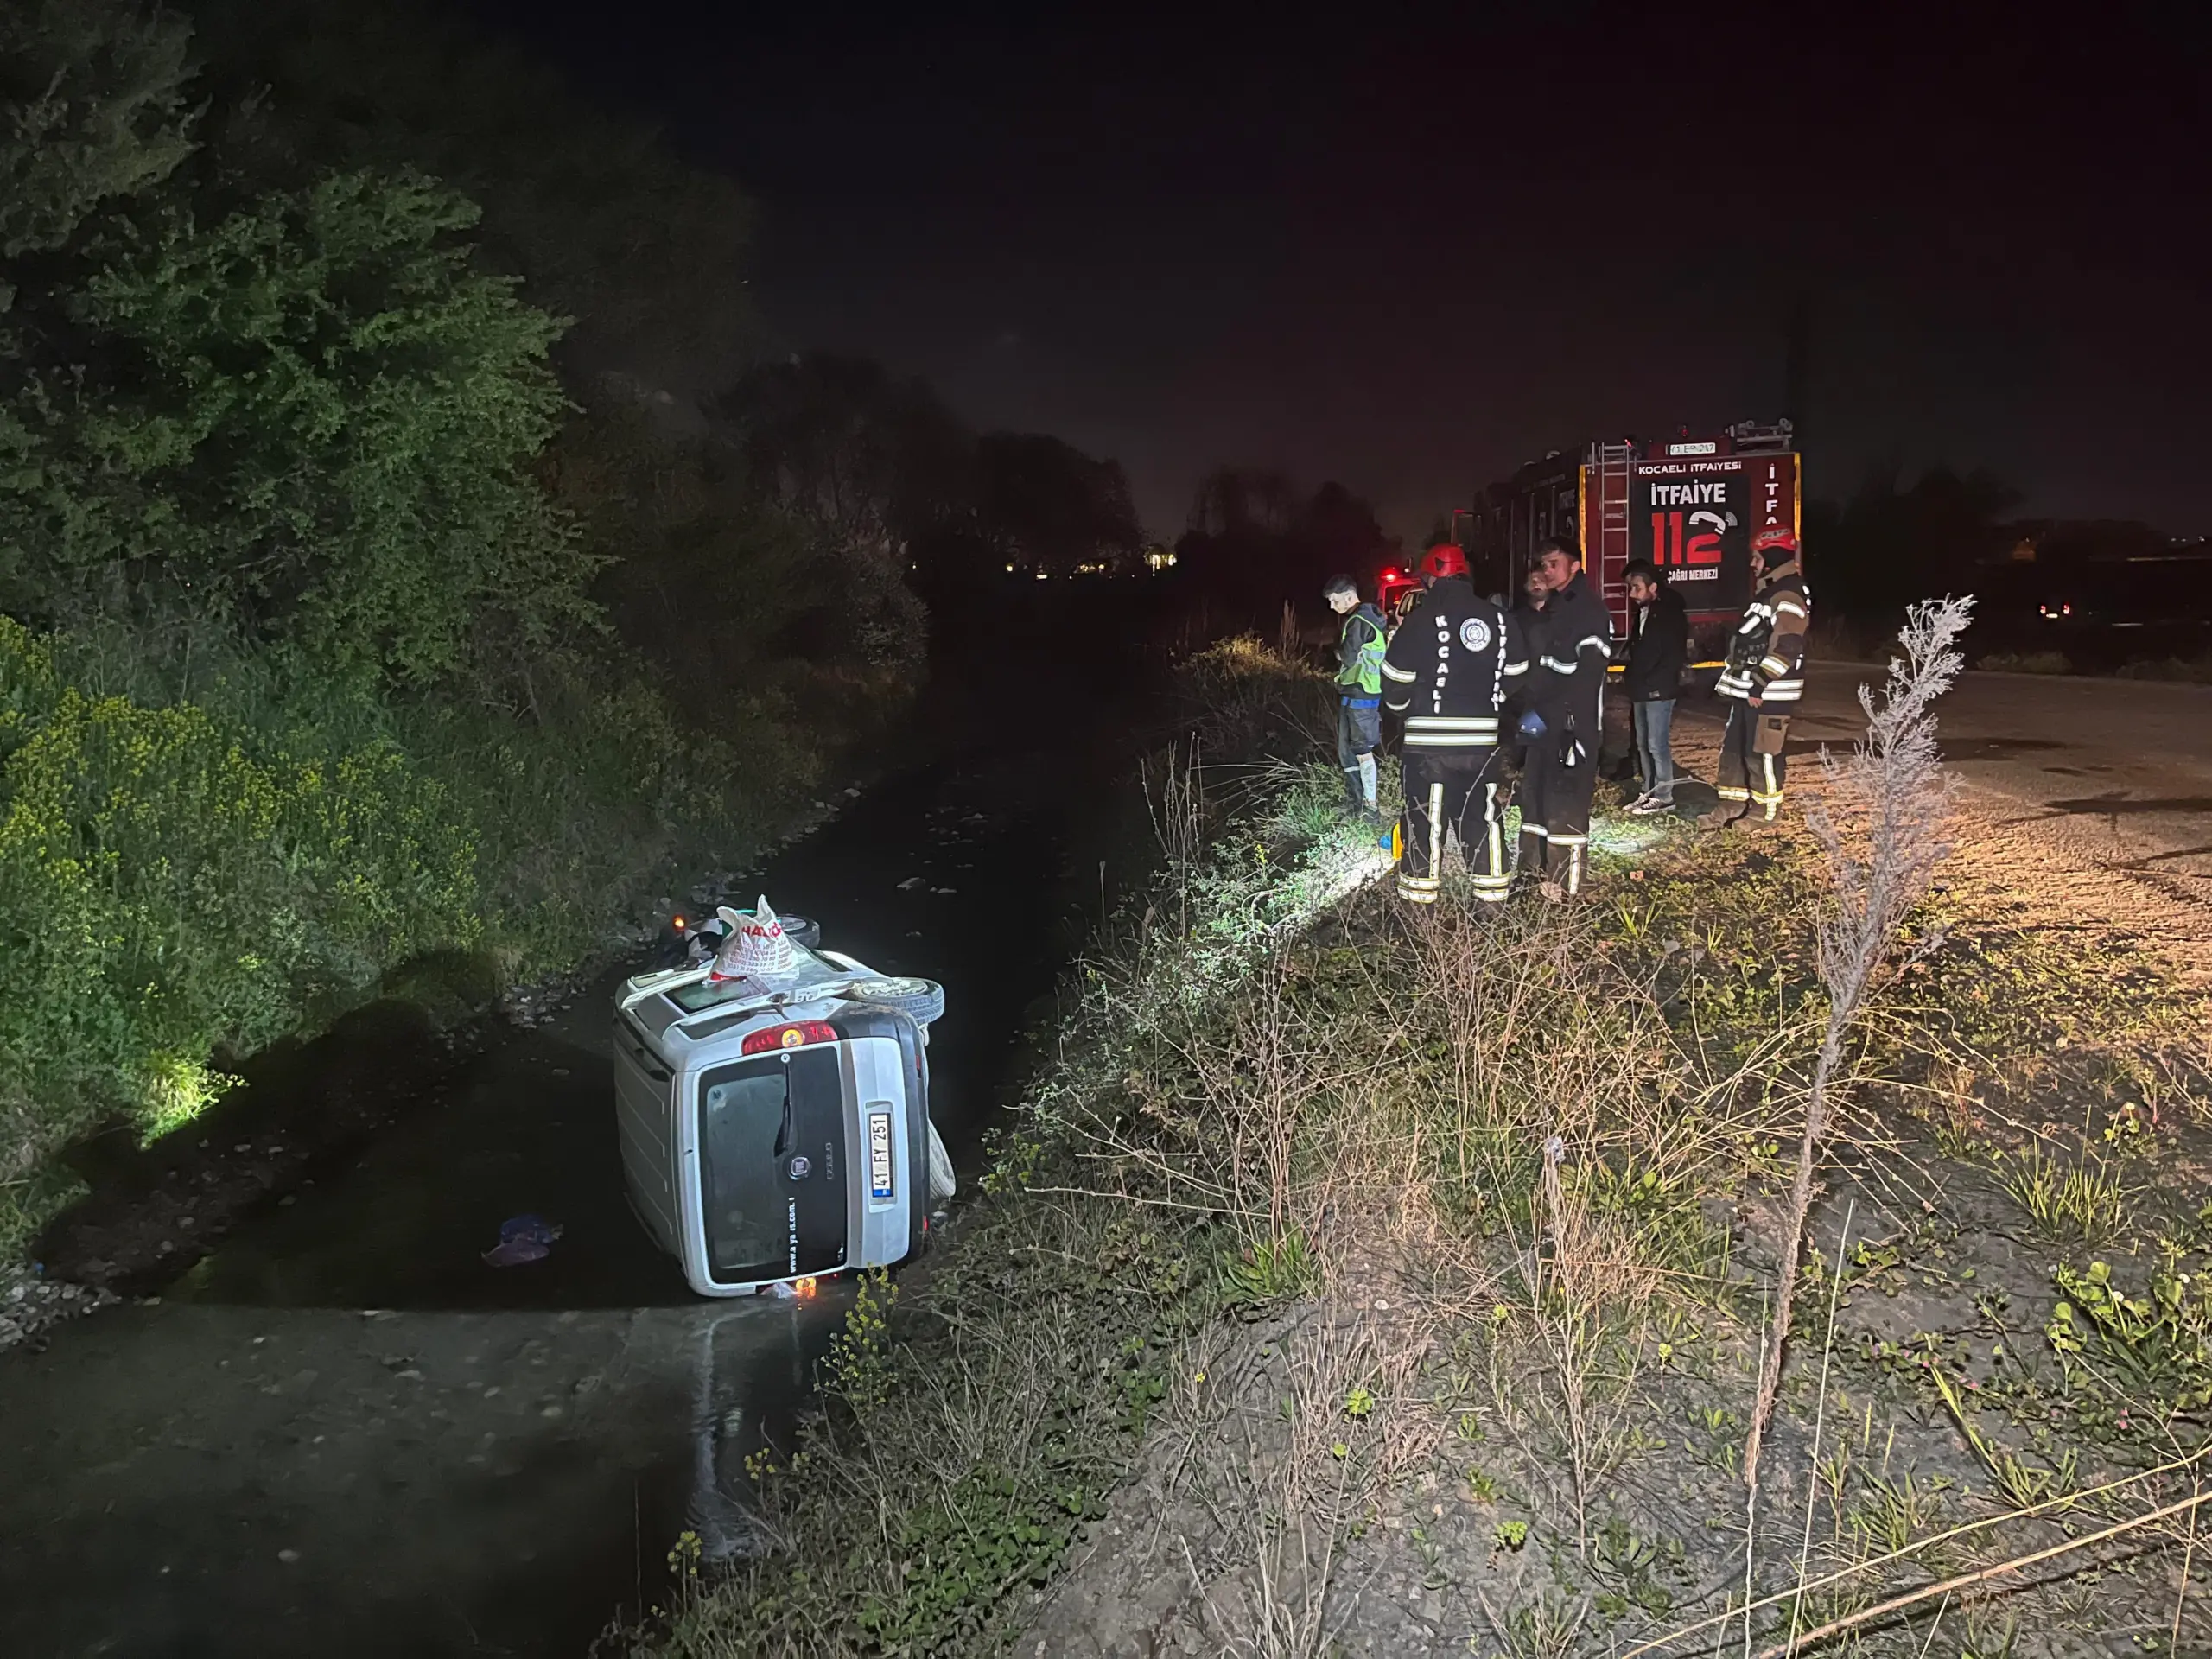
x: 1443, y: 560
x: 1775, y: 536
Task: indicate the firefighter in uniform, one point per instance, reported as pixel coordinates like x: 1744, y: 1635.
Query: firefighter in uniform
x: 1567, y: 693
x: 1764, y: 678
x: 1450, y: 666
x: 1359, y: 692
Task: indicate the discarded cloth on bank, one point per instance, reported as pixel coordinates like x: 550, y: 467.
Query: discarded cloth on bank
x: 523, y: 1238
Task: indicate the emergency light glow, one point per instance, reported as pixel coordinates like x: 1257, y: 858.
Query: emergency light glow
x: 798, y: 1035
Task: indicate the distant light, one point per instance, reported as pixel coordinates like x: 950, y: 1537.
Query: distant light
x: 1010, y: 569
x: 1044, y: 576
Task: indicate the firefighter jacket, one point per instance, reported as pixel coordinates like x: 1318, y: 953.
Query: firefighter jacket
x: 1450, y: 665
x: 1766, y: 656
x: 1359, y: 655
x: 1569, y: 675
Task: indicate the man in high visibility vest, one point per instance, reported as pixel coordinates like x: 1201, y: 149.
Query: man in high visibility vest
x: 1360, y: 646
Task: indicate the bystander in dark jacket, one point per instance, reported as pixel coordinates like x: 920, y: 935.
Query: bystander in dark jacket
x: 1658, y: 652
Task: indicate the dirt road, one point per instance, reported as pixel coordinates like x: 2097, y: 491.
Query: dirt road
x: 2085, y: 796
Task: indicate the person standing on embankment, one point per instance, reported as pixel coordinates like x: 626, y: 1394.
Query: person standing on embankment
x: 1360, y: 645
x: 1448, y: 672
x: 1658, y: 651
x: 1764, y: 678
x: 1567, y: 691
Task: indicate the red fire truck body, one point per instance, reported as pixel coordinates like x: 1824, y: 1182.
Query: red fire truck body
x: 1690, y: 505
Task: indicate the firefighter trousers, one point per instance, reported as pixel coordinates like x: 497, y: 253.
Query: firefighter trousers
x: 1557, y: 780
x: 1752, y: 766
x: 1451, y: 792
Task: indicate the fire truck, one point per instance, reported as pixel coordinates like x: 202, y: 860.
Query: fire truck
x: 1689, y: 505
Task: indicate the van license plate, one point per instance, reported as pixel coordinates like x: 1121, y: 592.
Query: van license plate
x: 878, y: 1155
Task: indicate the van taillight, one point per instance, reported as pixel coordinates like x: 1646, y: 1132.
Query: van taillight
x: 798, y: 1035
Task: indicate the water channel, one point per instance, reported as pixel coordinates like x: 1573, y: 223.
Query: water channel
x: 342, y: 1434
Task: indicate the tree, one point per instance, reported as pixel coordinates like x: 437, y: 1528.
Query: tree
x: 1887, y: 543
x: 1253, y: 537
x: 306, y: 422
x: 602, y: 223
x: 96, y: 110
x: 841, y: 442
x: 1043, y: 505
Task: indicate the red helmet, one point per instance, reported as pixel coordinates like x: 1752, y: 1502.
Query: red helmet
x: 1774, y: 536
x: 1442, y: 560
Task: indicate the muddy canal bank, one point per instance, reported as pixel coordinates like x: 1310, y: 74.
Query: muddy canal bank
x: 340, y: 1431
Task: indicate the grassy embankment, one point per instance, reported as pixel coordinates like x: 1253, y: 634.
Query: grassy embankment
x: 186, y: 879
x: 1277, y: 1331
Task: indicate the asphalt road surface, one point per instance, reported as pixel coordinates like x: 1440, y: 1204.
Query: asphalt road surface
x: 2121, y: 771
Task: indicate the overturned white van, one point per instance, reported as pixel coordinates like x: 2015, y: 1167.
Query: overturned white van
x: 775, y: 1125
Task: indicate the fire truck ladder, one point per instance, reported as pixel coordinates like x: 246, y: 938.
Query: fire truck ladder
x: 1610, y: 554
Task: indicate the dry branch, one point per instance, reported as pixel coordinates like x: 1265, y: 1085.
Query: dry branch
x: 1882, y: 825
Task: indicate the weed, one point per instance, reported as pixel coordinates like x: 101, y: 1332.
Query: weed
x: 1274, y: 1270
x: 2085, y: 1201
x: 2023, y: 1484
x: 1545, y: 1629
x: 858, y: 1367
x: 1891, y: 1513
x: 1636, y: 1568
x: 2152, y: 1351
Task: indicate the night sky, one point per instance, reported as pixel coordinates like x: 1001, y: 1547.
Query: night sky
x: 1410, y: 254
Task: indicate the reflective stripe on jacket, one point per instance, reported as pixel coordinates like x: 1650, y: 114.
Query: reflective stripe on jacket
x: 1570, y: 674
x: 1449, y: 667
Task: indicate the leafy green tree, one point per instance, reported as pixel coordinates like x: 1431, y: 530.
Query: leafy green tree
x: 599, y: 220
x: 308, y: 421
x: 96, y: 110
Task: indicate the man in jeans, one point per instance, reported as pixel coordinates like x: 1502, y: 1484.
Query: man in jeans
x: 1658, y: 650
x: 1359, y: 693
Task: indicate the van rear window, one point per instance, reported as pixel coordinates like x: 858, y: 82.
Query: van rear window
x: 772, y: 1165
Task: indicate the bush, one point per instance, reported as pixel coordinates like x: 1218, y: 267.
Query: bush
x: 1253, y: 700
x: 183, y: 880
x: 169, y: 887
x: 2198, y: 669
x: 2026, y: 661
